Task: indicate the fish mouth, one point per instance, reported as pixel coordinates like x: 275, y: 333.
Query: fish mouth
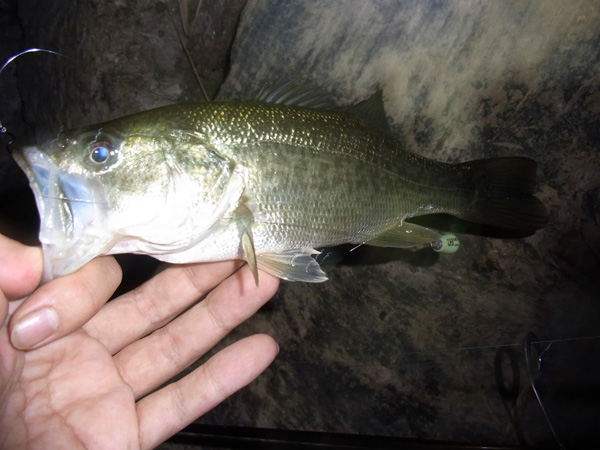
x: 67, y: 209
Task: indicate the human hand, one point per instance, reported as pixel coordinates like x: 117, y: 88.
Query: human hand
x: 89, y: 381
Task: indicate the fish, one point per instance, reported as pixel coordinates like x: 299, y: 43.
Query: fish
x: 267, y: 180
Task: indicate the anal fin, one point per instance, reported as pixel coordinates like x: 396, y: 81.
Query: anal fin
x: 295, y: 265
x: 404, y: 235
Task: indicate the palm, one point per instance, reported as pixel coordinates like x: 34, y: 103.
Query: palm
x: 96, y: 386
x: 71, y: 396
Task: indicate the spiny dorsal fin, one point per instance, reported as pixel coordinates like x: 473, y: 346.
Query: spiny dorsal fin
x: 295, y: 92
x: 372, y: 111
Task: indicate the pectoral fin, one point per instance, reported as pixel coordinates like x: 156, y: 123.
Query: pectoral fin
x: 295, y: 265
x: 245, y: 220
x: 249, y: 253
x: 404, y: 235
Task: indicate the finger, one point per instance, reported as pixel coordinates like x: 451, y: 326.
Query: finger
x: 170, y: 409
x: 64, y: 304
x: 156, y: 302
x: 148, y: 363
x: 20, y: 268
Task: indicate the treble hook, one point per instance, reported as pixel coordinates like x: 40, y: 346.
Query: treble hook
x: 3, y: 130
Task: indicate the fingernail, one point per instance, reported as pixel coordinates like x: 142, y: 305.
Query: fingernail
x: 34, y: 328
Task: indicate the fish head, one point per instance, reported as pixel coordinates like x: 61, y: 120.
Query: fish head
x: 111, y: 189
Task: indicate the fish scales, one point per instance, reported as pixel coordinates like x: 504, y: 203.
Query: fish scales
x: 328, y: 175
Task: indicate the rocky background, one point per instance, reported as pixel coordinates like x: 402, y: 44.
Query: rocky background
x: 399, y: 342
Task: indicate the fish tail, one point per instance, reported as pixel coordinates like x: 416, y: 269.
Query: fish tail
x: 503, y: 194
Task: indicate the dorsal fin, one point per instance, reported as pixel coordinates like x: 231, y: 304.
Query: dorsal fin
x: 372, y: 111
x: 295, y: 92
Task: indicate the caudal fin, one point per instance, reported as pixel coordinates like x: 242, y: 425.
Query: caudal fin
x: 503, y: 197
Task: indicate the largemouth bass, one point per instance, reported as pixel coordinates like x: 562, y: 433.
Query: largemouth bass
x: 267, y: 181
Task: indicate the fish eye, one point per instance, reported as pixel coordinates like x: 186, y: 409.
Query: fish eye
x: 100, y: 151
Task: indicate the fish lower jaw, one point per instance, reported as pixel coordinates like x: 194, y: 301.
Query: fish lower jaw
x: 67, y: 251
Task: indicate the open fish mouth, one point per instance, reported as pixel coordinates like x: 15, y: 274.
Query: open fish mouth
x: 66, y: 207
